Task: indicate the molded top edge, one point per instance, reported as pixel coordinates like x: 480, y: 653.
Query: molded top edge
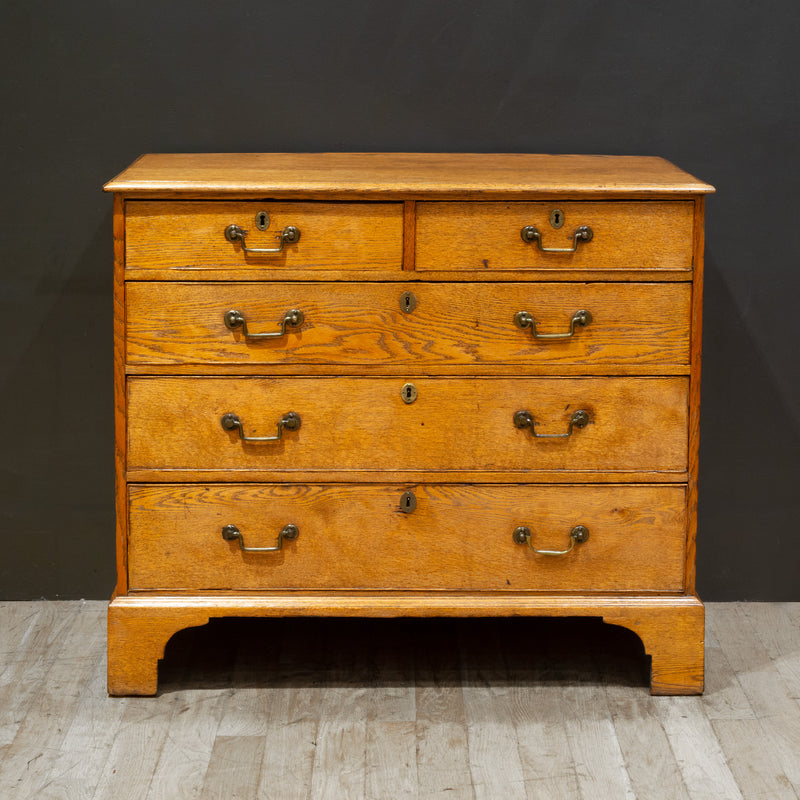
x: 403, y: 174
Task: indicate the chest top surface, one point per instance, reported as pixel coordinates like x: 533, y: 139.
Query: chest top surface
x: 399, y: 175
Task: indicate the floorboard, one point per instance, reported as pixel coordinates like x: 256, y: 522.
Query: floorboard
x: 411, y: 709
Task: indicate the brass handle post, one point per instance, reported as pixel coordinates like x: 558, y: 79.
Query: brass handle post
x: 582, y: 234
x: 578, y: 535
x: 524, y: 419
x: 290, y: 422
x: 524, y: 319
x: 231, y: 532
x: 289, y: 235
x: 235, y: 319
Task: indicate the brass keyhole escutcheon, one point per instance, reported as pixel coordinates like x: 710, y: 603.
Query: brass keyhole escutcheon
x: 407, y: 302
x: 408, y: 502
x: 408, y: 393
x: 557, y: 218
x: 262, y: 220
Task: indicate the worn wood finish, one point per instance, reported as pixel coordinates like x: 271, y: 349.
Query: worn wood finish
x: 363, y: 324
x: 556, y: 695
x: 234, y: 768
x: 486, y: 236
x: 446, y: 227
x: 120, y: 398
x: 766, y: 688
x: 694, y: 391
x: 671, y: 627
x: 409, y: 477
x: 22, y: 774
x: 542, y: 370
x: 459, y: 537
x: 409, y: 235
x: 363, y: 423
x: 256, y: 273
x: 403, y: 175
x: 31, y: 633
x: 190, y: 236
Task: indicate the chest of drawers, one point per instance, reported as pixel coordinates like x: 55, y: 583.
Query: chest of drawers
x: 406, y: 384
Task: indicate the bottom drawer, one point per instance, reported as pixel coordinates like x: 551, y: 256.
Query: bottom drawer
x: 457, y: 537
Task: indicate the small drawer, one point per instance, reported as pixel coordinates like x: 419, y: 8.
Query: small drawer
x: 346, y: 424
x: 402, y: 326
x: 630, y: 538
x: 196, y: 236
x: 589, y: 236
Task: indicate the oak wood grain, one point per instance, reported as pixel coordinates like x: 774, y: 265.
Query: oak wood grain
x: 694, y: 391
x: 409, y: 235
x: 191, y: 236
x: 446, y: 227
x: 486, y: 236
x: 409, y: 476
x: 363, y: 424
x: 402, y: 174
x: 557, y: 370
x: 300, y: 273
x: 120, y: 397
x: 454, y: 325
x: 140, y: 625
x: 459, y: 537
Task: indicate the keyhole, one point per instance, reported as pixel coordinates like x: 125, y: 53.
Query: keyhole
x: 556, y: 217
x: 262, y: 220
x: 408, y: 393
x: 407, y: 302
x: 408, y: 502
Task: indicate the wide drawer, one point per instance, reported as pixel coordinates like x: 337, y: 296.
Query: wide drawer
x: 488, y: 236
x: 458, y: 537
x: 191, y: 235
x: 380, y: 324
x: 346, y: 423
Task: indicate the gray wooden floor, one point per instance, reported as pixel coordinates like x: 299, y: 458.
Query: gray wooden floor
x: 498, y: 709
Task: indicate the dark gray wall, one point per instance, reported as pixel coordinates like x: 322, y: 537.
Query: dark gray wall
x: 87, y: 87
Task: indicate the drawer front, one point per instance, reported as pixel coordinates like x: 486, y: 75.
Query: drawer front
x: 191, y: 236
x: 458, y: 537
x: 634, y: 424
x: 487, y: 236
x: 366, y: 324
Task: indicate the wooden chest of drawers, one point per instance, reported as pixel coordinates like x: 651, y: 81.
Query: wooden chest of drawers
x: 406, y: 384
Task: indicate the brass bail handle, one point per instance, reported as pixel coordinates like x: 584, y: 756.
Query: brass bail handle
x: 290, y: 422
x: 578, y: 535
x: 231, y: 532
x: 289, y: 235
x: 579, y: 419
x: 530, y: 234
x: 524, y: 319
x: 235, y: 319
